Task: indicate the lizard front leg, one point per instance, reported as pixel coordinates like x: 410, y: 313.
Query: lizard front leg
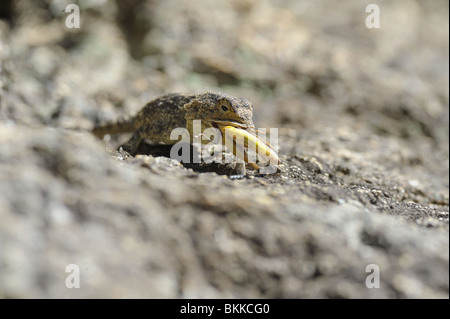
x: 240, y: 171
x: 133, y: 143
x: 154, y: 132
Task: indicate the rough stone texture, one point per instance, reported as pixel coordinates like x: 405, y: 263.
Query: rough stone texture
x: 363, y: 133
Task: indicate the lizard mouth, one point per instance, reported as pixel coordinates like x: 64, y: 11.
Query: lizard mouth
x: 218, y: 124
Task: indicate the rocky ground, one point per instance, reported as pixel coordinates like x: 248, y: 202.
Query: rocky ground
x: 363, y: 123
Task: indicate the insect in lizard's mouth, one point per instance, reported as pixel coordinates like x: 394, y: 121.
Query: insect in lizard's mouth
x: 238, y: 137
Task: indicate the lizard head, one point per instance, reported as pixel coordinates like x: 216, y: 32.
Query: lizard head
x: 215, y: 110
x: 233, y: 117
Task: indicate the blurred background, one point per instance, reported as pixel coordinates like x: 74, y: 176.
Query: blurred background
x: 363, y: 118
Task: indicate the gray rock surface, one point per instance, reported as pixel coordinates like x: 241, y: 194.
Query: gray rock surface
x: 363, y: 135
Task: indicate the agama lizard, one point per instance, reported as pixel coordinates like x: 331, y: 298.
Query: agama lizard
x: 159, y: 117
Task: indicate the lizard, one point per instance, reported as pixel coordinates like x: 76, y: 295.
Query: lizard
x: 159, y: 117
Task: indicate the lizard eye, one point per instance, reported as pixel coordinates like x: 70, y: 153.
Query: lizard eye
x: 224, y: 107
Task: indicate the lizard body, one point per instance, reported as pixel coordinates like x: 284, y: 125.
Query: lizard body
x: 159, y: 117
